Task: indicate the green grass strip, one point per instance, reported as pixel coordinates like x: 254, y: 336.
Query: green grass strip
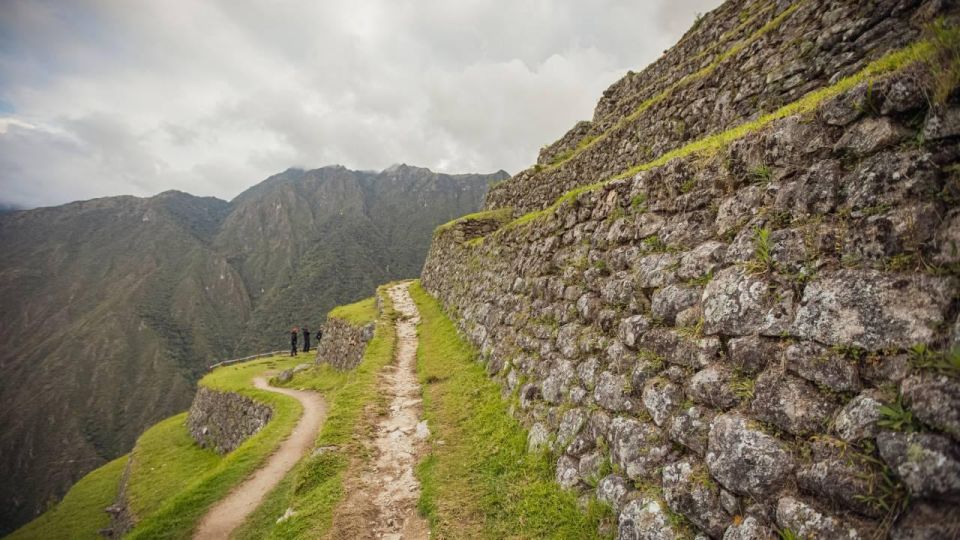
x: 481, y: 482
x: 80, y: 515
x: 177, y: 514
x: 358, y: 313
x: 890, y: 62
x: 315, y: 486
x: 498, y: 214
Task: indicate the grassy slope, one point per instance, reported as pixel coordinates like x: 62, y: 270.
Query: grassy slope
x: 482, y: 482
x: 173, y: 482
x: 357, y: 313
x: 81, y: 512
x: 315, y: 486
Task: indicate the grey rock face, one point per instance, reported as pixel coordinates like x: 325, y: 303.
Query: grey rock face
x: 858, y: 418
x: 611, y: 393
x: 873, y: 310
x: 746, y: 460
x: 841, y: 476
x: 807, y: 522
x: 638, y: 448
x: 538, y: 437
x: 751, y: 528
x: 689, y: 490
x: 632, y: 328
x: 711, y: 386
x: 570, y: 425
x: 568, y: 471
x: 668, y: 301
x: 691, y: 428
x: 223, y: 420
x: 790, y: 403
x: 823, y: 366
x: 644, y: 519
x: 613, y: 489
x: 738, y: 303
x: 661, y: 397
x: 928, y: 520
x: 934, y: 399
x: 752, y: 353
x: 928, y: 464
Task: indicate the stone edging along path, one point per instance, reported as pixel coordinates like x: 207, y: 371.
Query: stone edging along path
x: 227, y: 514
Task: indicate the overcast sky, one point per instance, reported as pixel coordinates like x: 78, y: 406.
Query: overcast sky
x: 210, y: 97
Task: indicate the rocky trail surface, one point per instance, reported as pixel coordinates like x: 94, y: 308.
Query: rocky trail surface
x: 382, y: 499
x: 230, y: 512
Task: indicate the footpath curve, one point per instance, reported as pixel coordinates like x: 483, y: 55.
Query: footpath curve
x: 225, y: 516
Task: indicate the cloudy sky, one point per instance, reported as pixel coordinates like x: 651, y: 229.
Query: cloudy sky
x: 136, y: 97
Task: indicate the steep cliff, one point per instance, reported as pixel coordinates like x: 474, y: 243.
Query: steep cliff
x: 729, y: 304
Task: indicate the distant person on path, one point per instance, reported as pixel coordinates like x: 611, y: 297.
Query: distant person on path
x: 293, y: 341
x: 319, y: 335
x: 306, y: 339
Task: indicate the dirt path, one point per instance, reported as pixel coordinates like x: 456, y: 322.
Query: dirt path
x: 381, y: 501
x: 229, y: 513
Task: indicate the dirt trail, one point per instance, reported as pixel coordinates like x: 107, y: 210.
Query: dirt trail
x: 229, y: 513
x: 381, y: 501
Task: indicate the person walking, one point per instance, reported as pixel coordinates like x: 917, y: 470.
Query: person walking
x: 293, y: 341
x: 319, y: 335
x: 306, y: 339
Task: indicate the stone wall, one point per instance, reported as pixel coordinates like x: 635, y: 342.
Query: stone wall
x: 223, y: 420
x: 122, y: 519
x: 343, y: 344
x: 742, y: 60
x: 748, y: 340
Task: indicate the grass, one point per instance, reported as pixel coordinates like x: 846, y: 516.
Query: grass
x: 358, y: 313
x: 165, y: 460
x: 481, y: 482
x: 175, y: 514
x: 81, y: 512
x: 315, y: 486
x: 892, y: 61
x: 498, y: 214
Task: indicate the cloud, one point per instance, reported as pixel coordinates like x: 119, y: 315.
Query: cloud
x: 104, y: 98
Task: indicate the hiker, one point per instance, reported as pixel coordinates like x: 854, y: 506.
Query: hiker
x: 306, y: 339
x: 293, y: 341
x: 319, y: 335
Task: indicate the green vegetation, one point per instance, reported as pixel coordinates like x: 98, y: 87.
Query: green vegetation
x: 761, y: 173
x: 166, y: 460
x: 898, y: 417
x: 80, y: 514
x: 176, y: 514
x: 481, y: 482
x: 315, y: 486
x: 944, y: 65
x: 762, y: 261
x: 924, y: 357
x: 357, y: 313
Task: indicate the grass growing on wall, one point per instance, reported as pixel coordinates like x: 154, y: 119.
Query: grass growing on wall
x: 357, y: 313
x: 315, y: 486
x: 81, y: 512
x: 179, y: 512
x: 481, y: 482
x: 166, y: 460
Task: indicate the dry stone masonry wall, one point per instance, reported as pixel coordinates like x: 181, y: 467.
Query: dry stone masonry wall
x: 223, y: 420
x: 343, y: 344
x: 752, y: 340
x: 767, y: 54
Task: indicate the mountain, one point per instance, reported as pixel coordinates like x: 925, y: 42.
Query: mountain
x: 113, y: 307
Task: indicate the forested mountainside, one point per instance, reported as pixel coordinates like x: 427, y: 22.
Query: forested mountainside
x: 113, y: 307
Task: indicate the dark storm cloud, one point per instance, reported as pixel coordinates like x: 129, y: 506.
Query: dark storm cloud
x: 102, y: 98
